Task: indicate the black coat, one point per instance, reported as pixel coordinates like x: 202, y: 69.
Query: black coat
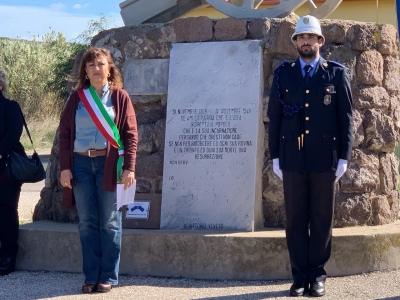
x: 11, y: 126
x: 318, y: 134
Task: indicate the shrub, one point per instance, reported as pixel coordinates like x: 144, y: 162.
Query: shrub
x: 37, y: 72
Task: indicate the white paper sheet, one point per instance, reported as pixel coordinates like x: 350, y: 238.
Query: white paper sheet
x: 125, y: 197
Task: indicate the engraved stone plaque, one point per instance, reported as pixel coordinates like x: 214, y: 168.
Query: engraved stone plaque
x: 214, y: 137
x: 146, y: 76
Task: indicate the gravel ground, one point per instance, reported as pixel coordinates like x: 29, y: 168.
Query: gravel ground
x: 54, y: 285
x: 50, y: 285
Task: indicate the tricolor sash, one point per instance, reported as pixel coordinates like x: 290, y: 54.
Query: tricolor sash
x: 103, y: 122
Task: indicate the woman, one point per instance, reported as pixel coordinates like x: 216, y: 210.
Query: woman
x: 97, y: 126
x: 11, y: 126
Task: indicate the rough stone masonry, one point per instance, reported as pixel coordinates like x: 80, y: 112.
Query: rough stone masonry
x: 366, y: 195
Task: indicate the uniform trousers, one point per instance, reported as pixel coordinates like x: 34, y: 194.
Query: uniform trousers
x: 309, y: 204
x: 9, y: 222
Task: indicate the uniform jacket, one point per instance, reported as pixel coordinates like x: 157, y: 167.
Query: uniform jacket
x: 11, y: 126
x: 125, y: 119
x: 326, y: 127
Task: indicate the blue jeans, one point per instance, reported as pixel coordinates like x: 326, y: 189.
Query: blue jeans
x: 100, y: 224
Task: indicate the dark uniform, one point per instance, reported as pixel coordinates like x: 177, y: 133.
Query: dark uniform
x: 310, y: 129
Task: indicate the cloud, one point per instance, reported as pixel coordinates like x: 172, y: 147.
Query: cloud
x: 23, y: 22
x: 80, y: 6
x: 57, y: 6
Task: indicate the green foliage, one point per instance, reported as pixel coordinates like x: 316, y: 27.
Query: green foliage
x: 94, y: 27
x: 37, y: 72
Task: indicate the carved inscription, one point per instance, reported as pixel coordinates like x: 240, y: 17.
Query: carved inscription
x: 210, y: 133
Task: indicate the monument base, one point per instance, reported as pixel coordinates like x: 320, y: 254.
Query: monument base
x: 261, y: 255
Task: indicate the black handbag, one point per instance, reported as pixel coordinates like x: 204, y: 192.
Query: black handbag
x: 22, y: 168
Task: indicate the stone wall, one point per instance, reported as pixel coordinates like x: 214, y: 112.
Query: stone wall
x: 367, y: 193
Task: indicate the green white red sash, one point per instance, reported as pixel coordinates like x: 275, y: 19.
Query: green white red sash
x: 103, y: 122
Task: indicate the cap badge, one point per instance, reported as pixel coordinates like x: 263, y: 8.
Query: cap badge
x: 306, y: 20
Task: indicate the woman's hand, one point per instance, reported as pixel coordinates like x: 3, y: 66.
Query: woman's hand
x: 66, y: 178
x: 128, y: 178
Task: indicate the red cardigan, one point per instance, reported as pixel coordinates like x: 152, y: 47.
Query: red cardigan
x: 125, y: 119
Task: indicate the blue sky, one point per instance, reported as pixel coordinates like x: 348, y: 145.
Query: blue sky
x: 25, y: 18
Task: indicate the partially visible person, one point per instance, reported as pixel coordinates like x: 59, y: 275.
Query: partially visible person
x: 97, y: 127
x: 11, y: 126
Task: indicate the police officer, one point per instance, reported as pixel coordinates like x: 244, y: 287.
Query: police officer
x: 310, y: 137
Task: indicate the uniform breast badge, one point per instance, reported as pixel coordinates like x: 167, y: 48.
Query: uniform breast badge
x: 327, y: 99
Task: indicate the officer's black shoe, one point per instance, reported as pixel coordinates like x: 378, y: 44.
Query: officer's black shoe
x: 7, y: 264
x: 317, y: 289
x: 298, y: 288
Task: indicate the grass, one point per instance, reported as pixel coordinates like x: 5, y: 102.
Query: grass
x: 42, y: 133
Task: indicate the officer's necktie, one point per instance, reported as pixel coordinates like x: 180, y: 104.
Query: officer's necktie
x: 307, y: 69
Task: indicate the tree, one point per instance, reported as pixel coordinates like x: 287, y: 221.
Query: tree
x: 94, y: 27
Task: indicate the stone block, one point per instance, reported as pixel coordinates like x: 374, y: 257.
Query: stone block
x: 380, y: 134
x: 370, y: 68
x: 371, y: 97
x: 143, y: 185
x: 334, y: 31
x: 361, y: 36
x: 230, y: 29
x: 344, y: 55
x: 261, y: 29
x: 388, y: 172
x: 148, y: 100
x: 394, y: 112
x: 391, y: 75
x: 158, y: 186
x: 149, y: 114
x: 159, y: 134
x: 149, y: 166
x: 198, y: 29
x: 361, y: 176
x: 146, y: 76
x: 352, y: 210
x: 358, y: 129
x: 381, y: 210
x: 146, y: 41
x: 388, y: 44
x: 214, y: 137
x: 283, y: 42
x: 145, y: 136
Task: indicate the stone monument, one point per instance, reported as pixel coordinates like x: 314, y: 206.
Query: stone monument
x: 214, y: 139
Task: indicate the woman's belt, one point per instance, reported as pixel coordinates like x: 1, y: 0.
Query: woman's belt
x: 93, y: 153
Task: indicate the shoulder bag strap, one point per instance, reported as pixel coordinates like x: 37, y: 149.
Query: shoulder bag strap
x: 24, y: 122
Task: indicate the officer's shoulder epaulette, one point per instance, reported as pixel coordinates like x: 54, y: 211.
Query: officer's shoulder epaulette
x: 284, y: 64
x: 336, y: 63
